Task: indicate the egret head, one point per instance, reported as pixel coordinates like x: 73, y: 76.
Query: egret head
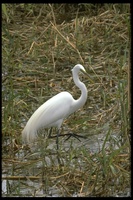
x: 78, y: 68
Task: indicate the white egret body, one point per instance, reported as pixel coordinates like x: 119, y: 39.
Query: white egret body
x: 56, y: 109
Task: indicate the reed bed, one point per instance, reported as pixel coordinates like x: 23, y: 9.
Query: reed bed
x: 40, y: 45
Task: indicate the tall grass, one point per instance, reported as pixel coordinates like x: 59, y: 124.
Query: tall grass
x: 40, y: 45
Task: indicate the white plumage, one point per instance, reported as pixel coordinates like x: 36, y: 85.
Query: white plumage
x: 56, y: 109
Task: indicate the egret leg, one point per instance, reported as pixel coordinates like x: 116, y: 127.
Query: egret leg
x: 50, y: 131
x: 57, y: 139
x: 53, y: 136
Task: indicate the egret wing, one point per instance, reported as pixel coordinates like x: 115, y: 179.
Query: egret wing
x: 58, y: 107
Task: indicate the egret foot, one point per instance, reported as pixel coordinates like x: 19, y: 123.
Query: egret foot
x: 67, y: 134
x: 74, y: 135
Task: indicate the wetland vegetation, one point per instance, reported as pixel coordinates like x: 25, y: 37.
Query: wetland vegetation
x: 40, y: 45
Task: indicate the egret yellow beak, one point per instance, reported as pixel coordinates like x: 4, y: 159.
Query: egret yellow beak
x: 85, y: 73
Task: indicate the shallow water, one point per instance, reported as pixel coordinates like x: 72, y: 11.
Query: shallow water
x: 93, y: 144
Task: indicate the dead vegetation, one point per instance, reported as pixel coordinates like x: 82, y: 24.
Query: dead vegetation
x: 40, y: 44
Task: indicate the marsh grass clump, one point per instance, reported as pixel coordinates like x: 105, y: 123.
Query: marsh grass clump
x: 40, y: 45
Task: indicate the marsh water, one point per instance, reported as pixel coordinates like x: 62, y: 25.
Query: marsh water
x: 92, y: 144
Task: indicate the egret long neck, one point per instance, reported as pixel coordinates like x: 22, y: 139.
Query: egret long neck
x: 82, y: 99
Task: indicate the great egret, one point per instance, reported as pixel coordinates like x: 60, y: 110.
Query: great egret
x: 56, y: 109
